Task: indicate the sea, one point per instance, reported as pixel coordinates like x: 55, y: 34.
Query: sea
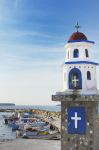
x: 6, y: 131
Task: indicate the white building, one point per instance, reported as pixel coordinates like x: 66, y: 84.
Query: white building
x: 79, y: 71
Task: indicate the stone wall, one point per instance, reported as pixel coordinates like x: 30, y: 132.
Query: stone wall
x: 88, y: 140
x: 77, y: 141
x: 47, y: 113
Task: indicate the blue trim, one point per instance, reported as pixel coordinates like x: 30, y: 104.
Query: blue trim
x: 73, y: 41
x: 78, y: 72
x: 82, y: 62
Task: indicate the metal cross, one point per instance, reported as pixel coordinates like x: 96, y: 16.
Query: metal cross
x: 77, y: 26
x: 76, y: 119
x: 74, y: 81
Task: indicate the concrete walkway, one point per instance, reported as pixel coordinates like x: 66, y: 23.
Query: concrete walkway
x: 31, y: 144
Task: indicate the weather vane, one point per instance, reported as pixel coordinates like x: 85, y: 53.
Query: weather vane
x: 77, y: 26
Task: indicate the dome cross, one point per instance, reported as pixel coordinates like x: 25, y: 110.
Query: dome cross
x: 77, y: 26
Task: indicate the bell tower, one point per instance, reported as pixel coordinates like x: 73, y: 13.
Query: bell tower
x: 79, y: 71
x: 79, y: 97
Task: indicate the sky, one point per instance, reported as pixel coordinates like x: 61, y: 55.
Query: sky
x: 32, y: 38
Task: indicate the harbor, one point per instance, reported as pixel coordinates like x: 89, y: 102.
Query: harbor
x: 35, y: 124
x: 25, y: 130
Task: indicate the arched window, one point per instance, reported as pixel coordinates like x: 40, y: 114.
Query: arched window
x: 76, y: 53
x: 88, y: 75
x: 75, y: 79
x: 86, y: 52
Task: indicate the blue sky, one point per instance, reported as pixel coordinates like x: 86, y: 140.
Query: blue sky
x: 32, y: 38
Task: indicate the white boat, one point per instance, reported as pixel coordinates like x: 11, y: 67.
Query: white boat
x: 29, y: 133
x: 38, y: 123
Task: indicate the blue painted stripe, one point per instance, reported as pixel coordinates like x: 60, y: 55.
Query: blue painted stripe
x: 82, y: 62
x: 73, y: 41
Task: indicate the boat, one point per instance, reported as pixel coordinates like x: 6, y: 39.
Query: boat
x: 14, y: 126
x: 27, y: 134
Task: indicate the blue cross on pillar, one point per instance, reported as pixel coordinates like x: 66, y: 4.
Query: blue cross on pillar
x: 76, y: 120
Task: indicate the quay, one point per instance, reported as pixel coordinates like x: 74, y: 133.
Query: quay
x: 31, y: 144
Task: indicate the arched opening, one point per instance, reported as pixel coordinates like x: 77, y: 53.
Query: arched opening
x: 76, y: 53
x: 86, y: 52
x: 88, y: 75
x: 75, y: 79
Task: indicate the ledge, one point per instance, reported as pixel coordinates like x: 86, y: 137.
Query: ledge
x: 81, y: 62
x: 74, y: 97
x: 73, y: 41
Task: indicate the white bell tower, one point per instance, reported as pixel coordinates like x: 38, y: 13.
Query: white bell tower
x: 79, y: 71
x: 79, y: 98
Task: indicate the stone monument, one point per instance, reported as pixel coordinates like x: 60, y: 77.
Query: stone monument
x: 79, y: 97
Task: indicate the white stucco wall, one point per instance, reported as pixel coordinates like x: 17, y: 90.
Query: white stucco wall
x: 81, y: 46
x: 86, y: 84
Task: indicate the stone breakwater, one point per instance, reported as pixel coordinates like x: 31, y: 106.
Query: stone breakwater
x: 47, y: 113
x: 35, y: 111
x: 54, y: 118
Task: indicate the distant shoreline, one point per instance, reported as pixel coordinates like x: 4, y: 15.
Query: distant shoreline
x: 30, y: 107
x: 7, y: 104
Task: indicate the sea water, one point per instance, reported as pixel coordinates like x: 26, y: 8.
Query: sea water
x: 6, y: 131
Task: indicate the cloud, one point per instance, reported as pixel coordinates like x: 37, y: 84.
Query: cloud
x: 28, y: 77
x: 21, y: 56
x: 29, y: 82
x: 16, y: 33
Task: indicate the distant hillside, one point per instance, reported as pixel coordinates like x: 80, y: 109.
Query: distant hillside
x: 7, y: 104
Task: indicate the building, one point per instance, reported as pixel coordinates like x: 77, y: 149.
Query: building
x: 79, y: 71
x: 79, y: 97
